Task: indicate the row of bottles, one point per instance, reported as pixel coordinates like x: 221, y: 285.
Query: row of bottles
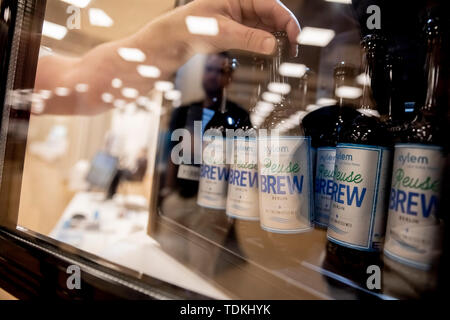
x: 366, y: 191
x: 269, y: 178
x: 359, y: 172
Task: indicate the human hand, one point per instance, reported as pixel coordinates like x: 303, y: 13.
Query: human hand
x: 243, y: 25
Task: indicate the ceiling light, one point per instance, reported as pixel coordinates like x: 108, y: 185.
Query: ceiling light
x: 131, y: 54
x: 38, y: 105
x: 36, y: 98
x: 107, y: 97
x: 296, y: 117
x: 62, y: 92
x: 348, y: 92
x: 369, y: 112
x: 148, y: 71
x: 256, y: 119
x: 130, y: 93
x: 119, y: 103
x: 340, y: 1
x: 295, y: 70
x: 131, y: 108
x: 82, y: 87
x: 53, y: 30
x: 7, y: 14
x: 116, y: 83
x: 163, y: 86
x: 315, y: 36
x: 278, y: 87
x: 142, y: 100
x: 202, y: 25
x: 264, y: 107
x: 272, y: 97
x: 78, y: 3
x: 312, y: 107
x: 98, y: 17
x: 326, y: 102
x: 363, y: 79
x: 173, y: 95
x: 45, y: 94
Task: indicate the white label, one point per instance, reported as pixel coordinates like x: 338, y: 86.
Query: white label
x: 285, y: 184
x: 242, y: 199
x: 213, y: 184
x: 359, y: 202
x: 324, y: 183
x: 414, y: 232
x: 188, y: 172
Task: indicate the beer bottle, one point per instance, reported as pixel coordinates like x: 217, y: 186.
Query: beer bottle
x: 242, y: 198
x: 284, y: 164
x: 330, y: 121
x: 214, y: 172
x: 414, y: 229
x: 361, y: 175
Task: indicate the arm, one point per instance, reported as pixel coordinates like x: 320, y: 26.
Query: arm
x: 167, y: 44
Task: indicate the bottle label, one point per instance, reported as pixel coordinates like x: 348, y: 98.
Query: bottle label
x: 414, y: 231
x: 359, y: 197
x: 213, y: 183
x: 188, y: 172
x: 324, y: 184
x: 285, y: 184
x: 242, y: 199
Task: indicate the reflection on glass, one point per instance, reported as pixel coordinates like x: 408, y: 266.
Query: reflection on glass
x: 115, y: 141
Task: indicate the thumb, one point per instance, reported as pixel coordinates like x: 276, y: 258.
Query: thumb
x: 241, y: 37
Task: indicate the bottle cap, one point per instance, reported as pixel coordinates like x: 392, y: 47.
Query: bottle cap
x: 344, y: 68
x: 279, y: 34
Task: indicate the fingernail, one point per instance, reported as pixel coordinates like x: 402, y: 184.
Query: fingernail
x: 268, y: 45
x: 295, y: 51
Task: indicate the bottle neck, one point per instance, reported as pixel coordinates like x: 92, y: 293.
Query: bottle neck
x: 282, y: 108
x: 432, y: 69
x: 339, y: 81
x: 274, y: 68
x: 303, y: 90
x: 257, y: 70
x: 223, y: 101
x: 388, y: 116
x: 368, y: 101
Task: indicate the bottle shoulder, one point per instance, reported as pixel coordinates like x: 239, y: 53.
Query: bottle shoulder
x: 423, y: 130
x: 365, y: 130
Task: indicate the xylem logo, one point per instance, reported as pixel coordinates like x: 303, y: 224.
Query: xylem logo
x: 344, y: 157
x: 328, y: 158
x: 272, y: 149
x: 409, y: 158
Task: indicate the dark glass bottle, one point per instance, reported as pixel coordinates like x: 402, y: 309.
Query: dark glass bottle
x: 331, y: 120
x: 393, y: 117
x: 214, y: 171
x: 361, y: 175
x: 414, y: 230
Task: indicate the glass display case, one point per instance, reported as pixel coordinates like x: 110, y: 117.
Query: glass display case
x: 216, y: 149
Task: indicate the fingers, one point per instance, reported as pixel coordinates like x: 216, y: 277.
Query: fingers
x: 241, y: 37
x: 274, y: 13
